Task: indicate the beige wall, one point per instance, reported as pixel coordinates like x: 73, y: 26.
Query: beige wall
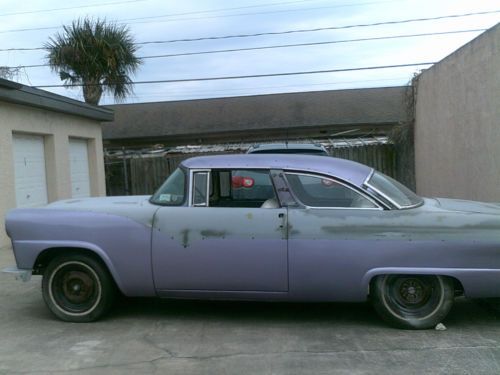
x: 457, y: 130
x: 56, y: 128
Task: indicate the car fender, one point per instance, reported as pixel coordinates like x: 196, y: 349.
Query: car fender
x: 476, y: 282
x: 31, y: 249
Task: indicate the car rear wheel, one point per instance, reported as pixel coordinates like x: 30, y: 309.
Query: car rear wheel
x: 77, y: 288
x: 412, y: 301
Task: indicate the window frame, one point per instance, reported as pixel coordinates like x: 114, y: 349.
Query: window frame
x: 209, y: 172
x: 192, y: 172
x: 377, y: 204
x: 385, y: 196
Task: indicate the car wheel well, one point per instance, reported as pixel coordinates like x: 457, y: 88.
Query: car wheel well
x: 457, y: 284
x: 46, y: 256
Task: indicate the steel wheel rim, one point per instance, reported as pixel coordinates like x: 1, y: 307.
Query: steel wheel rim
x: 412, y: 297
x: 75, y: 288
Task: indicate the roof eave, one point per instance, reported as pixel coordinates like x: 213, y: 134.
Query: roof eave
x: 16, y: 93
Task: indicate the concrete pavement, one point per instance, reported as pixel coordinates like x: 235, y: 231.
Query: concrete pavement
x: 187, y: 337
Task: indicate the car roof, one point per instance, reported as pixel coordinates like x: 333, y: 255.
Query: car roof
x: 287, y: 146
x: 347, y: 170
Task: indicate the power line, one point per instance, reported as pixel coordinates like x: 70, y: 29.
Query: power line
x: 322, y: 28
x: 308, y: 44
x: 121, y: 21
x: 222, y: 10
x: 282, y: 32
x: 251, y: 6
x: 68, y: 8
x: 299, y: 85
x: 289, y: 31
x: 286, y: 45
x: 220, y: 78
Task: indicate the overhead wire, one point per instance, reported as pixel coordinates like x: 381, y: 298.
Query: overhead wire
x: 286, y: 45
x: 251, y: 14
x: 298, y: 85
x: 294, y: 31
x: 297, y: 30
x: 69, y: 8
x: 308, y: 44
x: 280, y: 74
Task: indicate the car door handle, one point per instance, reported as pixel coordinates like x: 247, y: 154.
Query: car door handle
x: 283, y: 221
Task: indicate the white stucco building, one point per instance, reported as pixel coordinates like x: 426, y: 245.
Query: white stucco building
x: 50, y: 148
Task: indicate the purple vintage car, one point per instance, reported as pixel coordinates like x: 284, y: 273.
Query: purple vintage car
x: 264, y: 227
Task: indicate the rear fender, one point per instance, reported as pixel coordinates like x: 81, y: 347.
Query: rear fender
x: 477, y: 282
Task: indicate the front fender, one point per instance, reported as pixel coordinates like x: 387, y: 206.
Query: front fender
x: 122, y: 242
x: 28, y: 251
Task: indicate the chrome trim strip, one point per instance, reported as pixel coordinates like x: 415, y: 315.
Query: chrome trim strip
x: 191, y: 182
x: 365, y: 182
x: 363, y: 194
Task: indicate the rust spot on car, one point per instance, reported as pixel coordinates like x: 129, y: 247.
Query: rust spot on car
x: 249, y: 216
x: 213, y: 233
x: 185, y: 237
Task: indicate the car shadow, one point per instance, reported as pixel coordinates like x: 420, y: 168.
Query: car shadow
x: 464, y: 312
x: 151, y: 308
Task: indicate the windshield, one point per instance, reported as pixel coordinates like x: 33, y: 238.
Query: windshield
x: 172, y: 192
x: 394, y: 191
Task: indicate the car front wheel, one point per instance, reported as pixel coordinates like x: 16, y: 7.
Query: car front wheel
x: 412, y: 301
x: 77, y: 288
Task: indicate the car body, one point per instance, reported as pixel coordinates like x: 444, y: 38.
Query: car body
x: 319, y: 229
x: 289, y: 148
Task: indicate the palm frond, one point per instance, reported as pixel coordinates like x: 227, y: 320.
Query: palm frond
x: 95, y: 51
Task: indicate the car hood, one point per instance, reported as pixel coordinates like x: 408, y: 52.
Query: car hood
x: 137, y: 208
x: 461, y: 205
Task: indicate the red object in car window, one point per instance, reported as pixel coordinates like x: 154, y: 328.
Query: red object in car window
x: 248, y: 182
x: 240, y: 181
x: 327, y: 183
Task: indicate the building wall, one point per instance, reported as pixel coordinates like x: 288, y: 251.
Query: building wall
x: 457, y: 129
x: 56, y: 129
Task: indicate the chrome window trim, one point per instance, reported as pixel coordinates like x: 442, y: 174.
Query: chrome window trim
x: 191, y: 183
x: 390, y: 200
x: 385, y: 196
x: 362, y: 193
x: 365, y: 182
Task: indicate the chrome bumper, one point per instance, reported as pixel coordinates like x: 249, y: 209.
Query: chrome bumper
x: 24, y: 275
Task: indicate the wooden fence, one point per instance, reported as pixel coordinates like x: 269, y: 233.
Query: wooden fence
x: 382, y: 157
x: 143, y: 175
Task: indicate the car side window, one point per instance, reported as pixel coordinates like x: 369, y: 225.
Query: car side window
x: 242, y: 188
x: 200, y: 189
x: 319, y: 191
x: 171, y: 193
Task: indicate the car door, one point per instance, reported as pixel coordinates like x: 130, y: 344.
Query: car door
x: 222, y: 239
x: 336, y: 233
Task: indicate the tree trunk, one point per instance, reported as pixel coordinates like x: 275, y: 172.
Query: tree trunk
x: 92, y: 93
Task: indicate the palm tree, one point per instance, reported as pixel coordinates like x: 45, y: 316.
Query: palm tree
x: 97, y: 55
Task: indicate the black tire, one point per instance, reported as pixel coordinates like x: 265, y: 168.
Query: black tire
x: 412, y: 301
x: 77, y: 288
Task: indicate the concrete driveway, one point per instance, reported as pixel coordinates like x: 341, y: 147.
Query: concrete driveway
x: 185, y: 337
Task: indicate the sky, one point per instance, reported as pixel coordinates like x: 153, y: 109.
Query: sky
x: 157, y: 20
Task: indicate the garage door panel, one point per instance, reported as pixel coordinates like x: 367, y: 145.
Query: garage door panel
x: 79, y: 164
x: 29, y: 170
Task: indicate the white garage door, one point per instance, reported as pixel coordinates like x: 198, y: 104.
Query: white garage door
x: 29, y: 169
x: 79, y: 164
